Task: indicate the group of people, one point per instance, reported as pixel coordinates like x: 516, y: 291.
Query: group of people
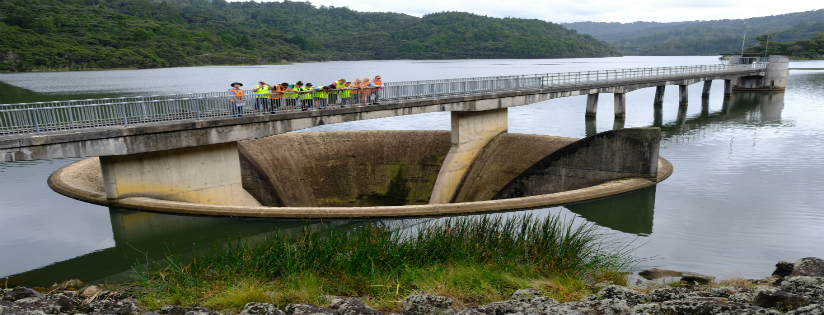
x: 301, y: 97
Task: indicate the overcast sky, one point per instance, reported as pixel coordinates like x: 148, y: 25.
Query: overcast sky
x: 590, y: 10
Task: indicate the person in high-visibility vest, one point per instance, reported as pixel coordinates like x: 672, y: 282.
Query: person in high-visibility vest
x: 261, y: 97
x: 236, y: 96
x: 276, y: 96
x: 292, y: 95
x: 334, y: 91
x: 346, y: 93
x: 378, y: 83
x: 305, y: 97
x: 321, y: 96
x: 366, y: 87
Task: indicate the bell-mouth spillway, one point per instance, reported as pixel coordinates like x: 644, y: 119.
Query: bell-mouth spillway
x: 366, y: 174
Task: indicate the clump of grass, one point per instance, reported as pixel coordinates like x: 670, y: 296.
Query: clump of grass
x: 473, y: 260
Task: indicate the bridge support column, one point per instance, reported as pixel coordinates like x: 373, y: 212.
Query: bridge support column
x: 592, y: 105
x: 683, y: 95
x: 471, y: 132
x: 659, y: 94
x: 727, y: 88
x: 618, y: 124
x: 707, y: 86
x: 620, y: 105
x: 207, y: 174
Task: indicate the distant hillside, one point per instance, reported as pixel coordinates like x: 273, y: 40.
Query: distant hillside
x: 811, y: 48
x: 700, y: 37
x: 100, y: 34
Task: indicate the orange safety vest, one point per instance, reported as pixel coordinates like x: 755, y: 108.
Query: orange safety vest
x: 238, y: 93
x: 377, y: 82
x: 273, y: 94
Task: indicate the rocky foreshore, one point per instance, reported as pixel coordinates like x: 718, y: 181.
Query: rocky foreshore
x: 794, y: 288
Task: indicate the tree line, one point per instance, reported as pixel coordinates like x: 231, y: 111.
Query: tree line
x: 106, y: 34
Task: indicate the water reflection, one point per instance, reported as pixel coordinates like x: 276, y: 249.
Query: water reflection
x: 630, y: 213
x: 139, y: 235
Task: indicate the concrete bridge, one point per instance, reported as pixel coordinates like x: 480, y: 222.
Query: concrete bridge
x: 189, y: 142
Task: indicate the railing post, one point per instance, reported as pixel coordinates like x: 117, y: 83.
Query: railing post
x: 71, y: 115
x: 125, y: 118
x: 143, y: 105
x: 33, y: 114
x: 197, y: 108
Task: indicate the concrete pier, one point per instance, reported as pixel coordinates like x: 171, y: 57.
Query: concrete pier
x: 727, y: 88
x: 683, y: 95
x: 620, y: 105
x: 659, y: 95
x: 618, y: 123
x: 471, y: 132
x: 207, y: 174
x: 592, y: 105
x: 658, y: 116
x: 706, y: 91
x: 590, y: 126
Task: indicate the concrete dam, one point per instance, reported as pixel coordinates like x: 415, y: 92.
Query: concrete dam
x: 370, y: 174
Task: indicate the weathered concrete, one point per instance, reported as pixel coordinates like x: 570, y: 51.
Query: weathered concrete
x: 727, y: 88
x: 773, y: 79
x: 606, y: 156
x: 119, y: 140
x: 659, y: 95
x: 92, y: 173
x: 706, y: 91
x: 592, y: 105
x: 620, y: 105
x: 502, y: 160
x: 618, y: 123
x: 683, y: 95
x: 344, y: 169
x: 471, y: 132
x: 205, y: 174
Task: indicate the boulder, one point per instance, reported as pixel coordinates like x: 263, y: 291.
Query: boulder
x: 541, y: 304
x: 308, y: 309
x: 783, y: 269
x: 709, y: 306
x: 470, y: 311
x: 255, y: 308
x: 692, y: 277
x: 617, y: 292
x: 19, y: 293
x: 501, y: 308
x: 666, y: 294
x: 809, y: 266
x: 655, y: 273
x: 781, y: 300
x: 524, y: 295
x: 180, y: 310
x: 33, y: 304
x: 815, y: 309
x: 349, y: 306
x: 600, y: 307
x: 812, y: 287
x: 89, y: 291
x: 126, y: 306
x: 66, y: 302
x: 426, y: 305
x: 150, y: 313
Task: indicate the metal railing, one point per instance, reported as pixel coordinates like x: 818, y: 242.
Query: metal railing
x: 37, y: 118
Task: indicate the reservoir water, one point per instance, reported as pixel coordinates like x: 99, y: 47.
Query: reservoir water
x: 747, y: 191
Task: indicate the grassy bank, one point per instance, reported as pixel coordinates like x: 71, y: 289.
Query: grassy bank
x: 473, y: 260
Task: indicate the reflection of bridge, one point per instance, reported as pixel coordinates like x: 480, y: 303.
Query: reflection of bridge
x: 633, y: 213
x: 134, y: 135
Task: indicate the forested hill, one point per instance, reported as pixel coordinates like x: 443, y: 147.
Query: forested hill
x: 701, y: 37
x: 100, y: 34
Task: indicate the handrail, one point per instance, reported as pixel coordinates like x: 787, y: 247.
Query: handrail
x: 39, y: 117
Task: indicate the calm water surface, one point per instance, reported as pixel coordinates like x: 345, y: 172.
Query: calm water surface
x: 747, y: 189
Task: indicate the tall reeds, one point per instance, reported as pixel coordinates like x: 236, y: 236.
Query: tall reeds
x: 375, y: 261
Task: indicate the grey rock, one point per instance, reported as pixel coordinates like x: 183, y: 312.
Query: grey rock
x: 617, y: 292
x: 89, y: 291
x: 599, y: 307
x: 501, y: 308
x: 255, y: 308
x: 308, y: 309
x: 203, y: 313
x: 783, y: 269
x: 815, y: 309
x: 37, y: 304
x: 150, y: 313
x: 524, y: 295
x: 470, y: 311
x: 19, y: 293
x: 781, y: 300
x: 126, y: 306
x: 709, y: 306
x: 426, y: 305
x: 600, y: 285
x: 802, y: 285
x: 179, y: 310
x: 655, y: 273
x: 66, y: 302
x: 541, y: 304
x: 350, y: 306
x: 589, y: 297
x: 809, y: 266
x: 692, y: 277
x: 666, y: 294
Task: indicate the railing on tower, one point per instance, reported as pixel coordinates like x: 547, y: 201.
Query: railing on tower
x: 37, y: 118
